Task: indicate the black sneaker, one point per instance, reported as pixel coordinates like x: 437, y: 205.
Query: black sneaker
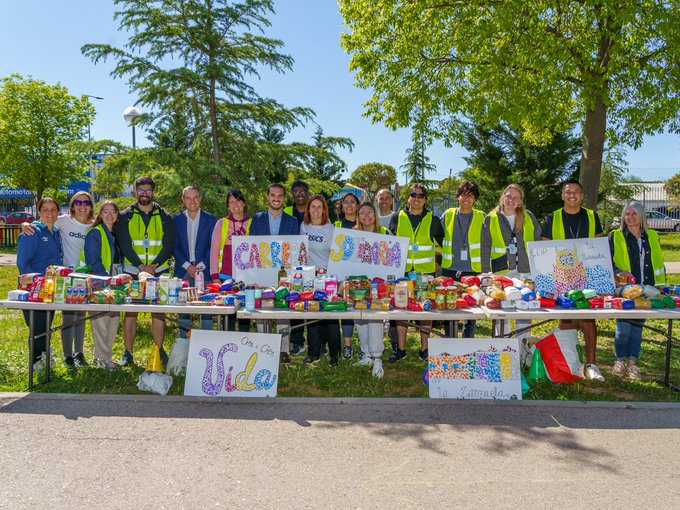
x: 334, y: 362
x: 164, y: 355
x: 127, y: 359
x: 297, y: 349
x: 347, y: 351
x: 80, y: 360
x: 69, y: 361
x: 311, y: 360
x: 422, y: 354
x: 395, y: 346
x: 399, y: 355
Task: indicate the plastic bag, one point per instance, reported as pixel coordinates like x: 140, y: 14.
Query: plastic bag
x: 560, y: 355
x: 155, y: 382
x: 179, y: 354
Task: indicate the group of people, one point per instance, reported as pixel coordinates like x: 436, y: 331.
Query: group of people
x: 464, y: 241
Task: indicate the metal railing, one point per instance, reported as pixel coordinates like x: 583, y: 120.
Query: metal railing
x: 9, y: 235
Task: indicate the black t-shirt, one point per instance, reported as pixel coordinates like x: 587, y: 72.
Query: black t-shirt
x: 436, y: 229
x: 575, y: 225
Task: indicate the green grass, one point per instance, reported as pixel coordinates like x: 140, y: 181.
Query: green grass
x: 403, y: 379
x: 670, y: 244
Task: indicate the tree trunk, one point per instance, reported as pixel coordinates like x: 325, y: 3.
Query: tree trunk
x: 593, y: 150
x: 213, y: 124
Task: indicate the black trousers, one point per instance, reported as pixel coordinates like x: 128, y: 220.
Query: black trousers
x: 323, y: 331
x: 297, y: 335
x: 469, y: 327
x: 243, y: 325
x: 40, y: 326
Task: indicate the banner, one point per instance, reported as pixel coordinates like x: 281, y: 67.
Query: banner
x: 251, y: 361
x: 258, y: 259
x: 356, y: 252
x: 474, y: 368
x: 561, y: 266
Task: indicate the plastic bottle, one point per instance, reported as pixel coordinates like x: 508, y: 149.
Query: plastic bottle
x: 250, y: 298
x: 199, y: 280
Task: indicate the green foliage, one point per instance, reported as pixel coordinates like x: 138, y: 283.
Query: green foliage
x: 323, y: 161
x: 40, y: 126
x: 672, y: 188
x: 417, y: 166
x: 541, y: 67
x: 613, y: 192
x: 374, y: 176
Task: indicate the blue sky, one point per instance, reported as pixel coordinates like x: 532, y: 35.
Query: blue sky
x: 42, y: 38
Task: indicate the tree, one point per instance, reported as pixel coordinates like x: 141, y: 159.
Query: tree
x: 323, y: 161
x: 417, y: 164
x: 39, y: 127
x: 374, y: 176
x: 501, y: 156
x: 672, y: 188
x: 541, y: 66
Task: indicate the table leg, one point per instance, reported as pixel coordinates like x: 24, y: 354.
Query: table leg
x: 31, y: 348
x: 669, y: 340
x: 48, y: 346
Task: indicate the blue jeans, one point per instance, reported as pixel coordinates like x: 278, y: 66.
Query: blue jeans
x: 185, y: 318
x: 628, y: 338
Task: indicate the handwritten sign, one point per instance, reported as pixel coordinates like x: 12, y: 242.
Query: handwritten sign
x: 355, y: 252
x: 561, y: 266
x: 479, y: 368
x: 232, y: 364
x: 258, y: 259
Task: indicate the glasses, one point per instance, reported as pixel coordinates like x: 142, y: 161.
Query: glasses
x: 82, y: 202
x: 109, y: 211
x: 416, y: 195
x: 299, y: 191
x: 349, y: 202
x: 141, y: 191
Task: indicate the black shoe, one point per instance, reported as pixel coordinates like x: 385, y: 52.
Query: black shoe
x: 127, y: 359
x: 79, y: 360
x: 347, y: 351
x: 69, y: 362
x: 399, y: 355
x: 395, y: 347
x: 310, y: 360
x: 164, y: 356
x: 297, y: 349
x: 334, y: 362
x: 324, y: 350
x: 422, y: 354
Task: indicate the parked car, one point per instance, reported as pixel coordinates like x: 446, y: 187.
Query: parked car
x: 656, y: 221
x: 17, y: 218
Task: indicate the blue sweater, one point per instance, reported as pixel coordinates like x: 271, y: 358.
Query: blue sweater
x: 93, y: 251
x: 39, y: 250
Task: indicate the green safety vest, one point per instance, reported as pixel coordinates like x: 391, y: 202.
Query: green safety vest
x: 288, y: 210
x: 153, y: 233
x: 622, y: 259
x: 421, y: 251
x: 107, y: 259
x: 474, y: 239
x: 498, y: 246
x: 558, y: 224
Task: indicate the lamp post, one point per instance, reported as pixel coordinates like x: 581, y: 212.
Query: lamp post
x: 89, y: 124
x: 130, y: 114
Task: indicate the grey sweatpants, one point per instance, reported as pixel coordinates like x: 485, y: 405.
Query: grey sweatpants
x: 72, y: 337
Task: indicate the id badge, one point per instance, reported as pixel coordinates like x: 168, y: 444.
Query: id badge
x: 146, y: 243
x: 414, y: 248
x: 512, y: 249
x: 463, y: 254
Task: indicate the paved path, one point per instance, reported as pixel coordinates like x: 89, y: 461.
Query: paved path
x: 74, y: 451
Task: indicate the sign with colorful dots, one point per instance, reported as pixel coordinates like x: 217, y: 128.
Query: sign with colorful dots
x: 474, y: 368
x: 356, y: 252
x: 232, y: 364
x: 258, y: 259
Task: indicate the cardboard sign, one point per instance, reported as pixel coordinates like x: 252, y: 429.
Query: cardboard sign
x: 258, y: 259
x: 232, y: 364
x: 561, y: 266
x: 355, y: 252
x: 475, y: 368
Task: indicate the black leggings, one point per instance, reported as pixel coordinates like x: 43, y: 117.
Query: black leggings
x: 323, y: 331
x: 40, y: 326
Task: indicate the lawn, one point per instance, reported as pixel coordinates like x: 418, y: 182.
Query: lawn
x: 403, y: 379
x: 670, y: 244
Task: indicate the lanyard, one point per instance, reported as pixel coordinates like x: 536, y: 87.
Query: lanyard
x: 465, y: 234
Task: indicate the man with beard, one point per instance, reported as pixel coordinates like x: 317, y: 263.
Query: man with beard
x: 146, y: 236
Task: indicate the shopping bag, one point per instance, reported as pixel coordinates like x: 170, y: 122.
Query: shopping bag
x: 179, y: 355
x: 560, y: 355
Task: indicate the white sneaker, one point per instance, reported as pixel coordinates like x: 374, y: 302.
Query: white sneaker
x: 592, y: 372
x: 40, y: 364
x: 619, y: 368
x: 634, y: 372
x: 378, y: 370
x: 366, y: 361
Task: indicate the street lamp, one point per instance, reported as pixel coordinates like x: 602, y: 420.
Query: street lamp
x: 130, y: 114
x: 89, y: 124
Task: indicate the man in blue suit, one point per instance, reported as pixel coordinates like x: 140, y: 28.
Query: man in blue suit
x: 192, y: 248
x: 275, y: 222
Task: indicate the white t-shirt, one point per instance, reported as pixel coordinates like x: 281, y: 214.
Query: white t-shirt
x: 319, y: 242
x: 72, y: 238
x: 385, y: 220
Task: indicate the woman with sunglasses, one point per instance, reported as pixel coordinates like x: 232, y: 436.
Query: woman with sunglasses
x: 73, y: 228
x: 101, y: 254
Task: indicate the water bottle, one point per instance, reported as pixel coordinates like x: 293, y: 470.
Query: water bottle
x: 199, y: 280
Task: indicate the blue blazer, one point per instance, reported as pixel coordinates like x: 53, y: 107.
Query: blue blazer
x: 259, y: 225
x: 203, y: 240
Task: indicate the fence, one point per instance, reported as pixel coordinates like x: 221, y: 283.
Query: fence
x: 9, y: 235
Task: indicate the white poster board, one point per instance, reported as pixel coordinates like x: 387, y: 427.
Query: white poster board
x: 355, y: 252
x: 561, y: 266
x: 258, y: 259
x: 475, y: 368
x: 232, y: 364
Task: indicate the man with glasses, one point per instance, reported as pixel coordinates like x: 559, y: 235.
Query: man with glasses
x: 146, y: 236
x: 424, y: 230
x: 462, y: 250
x: 574, y: 222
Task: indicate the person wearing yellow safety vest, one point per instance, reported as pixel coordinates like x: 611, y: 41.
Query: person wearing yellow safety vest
x: 146, y: 236
x: 300, y: 192
x: 424, y: 231
x: 507, y: 230
x: 575, y: 222
x: 101, y: 254
x: 635, y: 252
x: 234, y: 224
x: 462, y: 245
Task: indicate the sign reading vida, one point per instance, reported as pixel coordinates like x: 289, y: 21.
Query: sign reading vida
x: 257, y: 259
x: 475, y: 368
x: 232, y: 364
x: 355, y: 252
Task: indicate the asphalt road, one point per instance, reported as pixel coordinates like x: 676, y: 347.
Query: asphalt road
x: 59, y: 451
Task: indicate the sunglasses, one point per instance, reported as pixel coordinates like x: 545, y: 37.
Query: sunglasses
x: 82, y: 202
x: 416, y: 195
x: 141, y: 191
